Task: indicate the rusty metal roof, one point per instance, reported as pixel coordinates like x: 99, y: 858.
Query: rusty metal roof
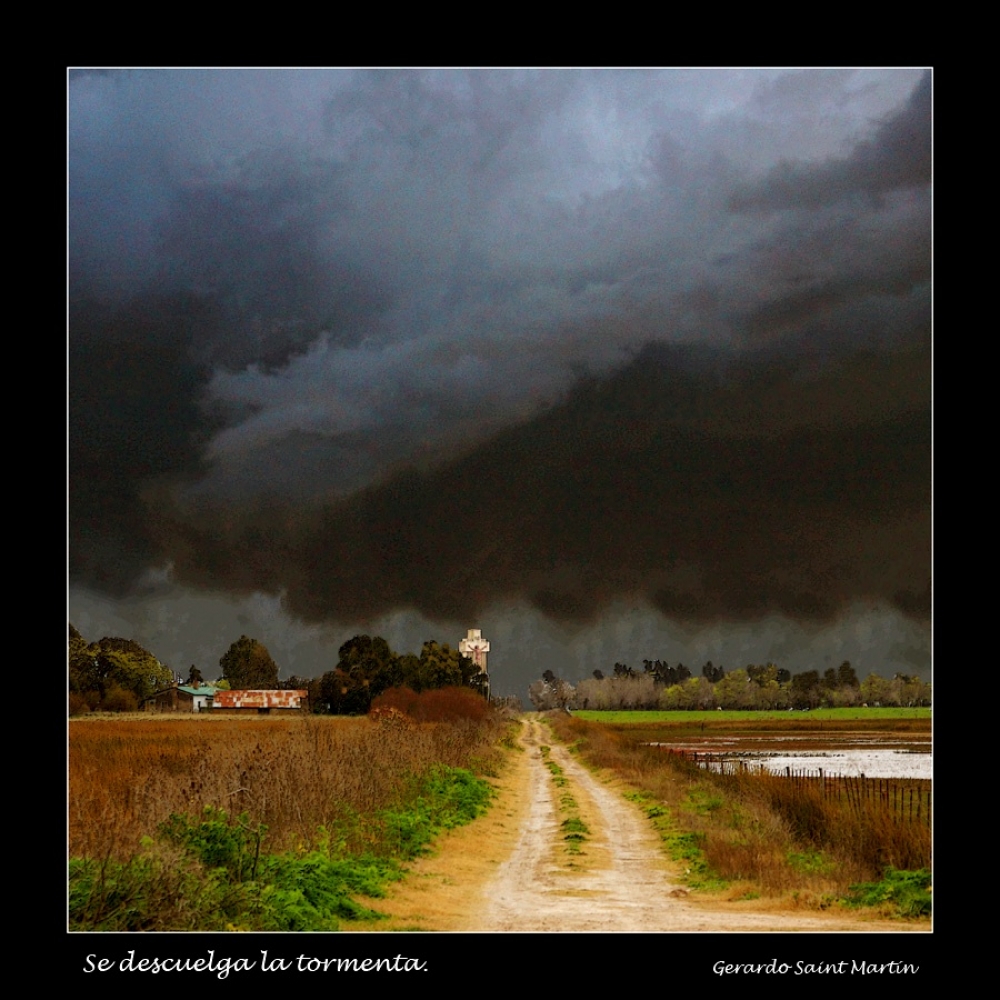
x: 259, y: 699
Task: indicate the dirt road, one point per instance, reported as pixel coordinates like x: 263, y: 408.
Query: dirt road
x: 514, y: 870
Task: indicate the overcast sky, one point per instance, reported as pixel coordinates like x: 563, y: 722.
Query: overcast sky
x: 611, y: 364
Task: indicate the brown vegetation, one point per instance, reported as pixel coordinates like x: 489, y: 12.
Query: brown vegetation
x: 447, y: 704
x: 762, y: 834
x: 295, y: 775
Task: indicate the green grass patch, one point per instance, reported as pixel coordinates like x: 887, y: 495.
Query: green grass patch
x: 810, y: 862
x: 703, y: 802
x: 554, y: 769
x: 902, y: 893
x: 683, y: 847
x: 574, y: 828
x: 575, y: 831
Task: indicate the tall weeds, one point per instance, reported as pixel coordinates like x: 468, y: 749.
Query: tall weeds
x: 863, y: 832
x: 156, y: 808
x: 296, y: 775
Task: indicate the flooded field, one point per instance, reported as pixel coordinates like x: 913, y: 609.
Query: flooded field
x: 846, y: 754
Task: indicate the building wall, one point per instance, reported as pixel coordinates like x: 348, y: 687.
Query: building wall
x: 274, y: 700
x: 175, y: 700
x: 244, y: 712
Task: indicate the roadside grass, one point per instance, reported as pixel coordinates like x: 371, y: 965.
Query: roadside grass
x: 258, y: 826
x: 750, y: 839
x: 902, y: 892
x: 683, y: 846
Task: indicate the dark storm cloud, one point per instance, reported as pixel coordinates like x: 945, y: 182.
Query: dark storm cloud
x: 381, y: 340
x: 897, y: 156
x: 175, y: 271
x: 710, y: 489
x: 134, y: 421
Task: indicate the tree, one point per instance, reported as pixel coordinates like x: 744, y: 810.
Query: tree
x: 248, y: 665
x: 440, y: 666
x: 547, y: 695
x: 763, y: 674
x: 659, y: 671
x: 77, y: 643
x: 195, y: 676
x: 366, y: 667
x: 846, y: 675
x: 115, y: 664
x: 695, y: 692
x: 409, y: 670
x: 81, y: 662
x: 733, y: 690
x: 472, y: 677
x: 364, y: 653
x: 712, y: 674
x: 875, y: 690
x: 344, y: 694
x: 805, y: 690
x: 370, y: 665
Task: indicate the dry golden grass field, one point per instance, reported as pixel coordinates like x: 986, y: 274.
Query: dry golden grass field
x: 126, y: 776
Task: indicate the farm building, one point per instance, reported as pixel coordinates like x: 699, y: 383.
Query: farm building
x: 182, y: 698
x: 261, y: 702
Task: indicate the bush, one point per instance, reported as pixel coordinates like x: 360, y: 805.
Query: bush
x: 905, y: 892
x: 448, y: 704
x: 119, y: 700
x: 78, y: 704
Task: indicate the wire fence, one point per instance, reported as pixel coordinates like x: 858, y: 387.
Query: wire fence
x: 906, y: 799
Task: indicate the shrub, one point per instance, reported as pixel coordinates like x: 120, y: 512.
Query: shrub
x: 448, y: 704
x: 395, y: 699
x: 906, y: 893
x: 78, y: 704
x: 119, y: 700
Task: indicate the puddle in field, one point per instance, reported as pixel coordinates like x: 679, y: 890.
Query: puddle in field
x: 906, y: 755
x: 851, y: 763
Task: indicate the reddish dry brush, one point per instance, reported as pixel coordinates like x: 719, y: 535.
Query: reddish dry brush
x: 295, y: 775
x: 448, y: 704
x: 866, y: 832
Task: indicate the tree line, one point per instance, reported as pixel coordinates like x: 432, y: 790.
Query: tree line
x: 756, y: 686
x: 113, y: 675
x: 119, y: 675
x: 367, y: 667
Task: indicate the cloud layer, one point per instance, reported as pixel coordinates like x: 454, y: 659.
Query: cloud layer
x: 378, y: 340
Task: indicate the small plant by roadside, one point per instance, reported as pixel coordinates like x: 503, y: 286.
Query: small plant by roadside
x: 899, y: 893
